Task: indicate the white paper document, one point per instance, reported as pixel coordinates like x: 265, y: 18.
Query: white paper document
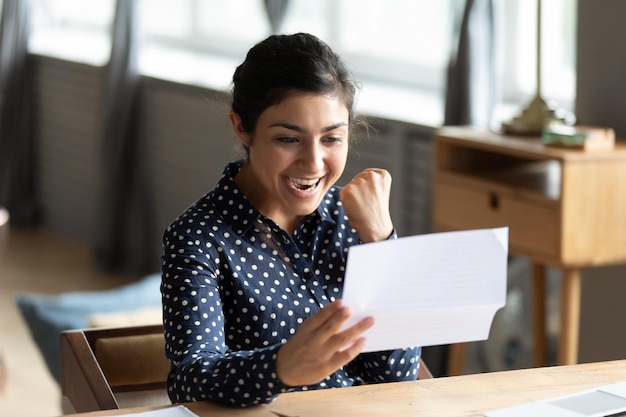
x: 427, y: 290
x: 173, y: 411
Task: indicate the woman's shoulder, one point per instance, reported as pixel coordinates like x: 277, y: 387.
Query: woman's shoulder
x: 206, y: 211
x: 201, y: 213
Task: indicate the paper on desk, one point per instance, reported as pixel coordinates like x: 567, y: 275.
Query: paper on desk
x: 428, y: 289
x: 173, y: 411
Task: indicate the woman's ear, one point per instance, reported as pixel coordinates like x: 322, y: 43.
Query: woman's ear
x: 241, y: 133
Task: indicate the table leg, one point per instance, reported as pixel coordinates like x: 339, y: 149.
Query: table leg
x: 539, y: 314
x: 570, y: 317
x: 456, y: 359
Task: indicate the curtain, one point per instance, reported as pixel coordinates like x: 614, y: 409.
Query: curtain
x: 276, y: 11
x: 470, y: 78
x: 17, y: 188
x: 468, y: 101
x: 124, y: 241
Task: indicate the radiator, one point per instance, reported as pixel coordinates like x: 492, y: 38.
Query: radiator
x: 67, y: 128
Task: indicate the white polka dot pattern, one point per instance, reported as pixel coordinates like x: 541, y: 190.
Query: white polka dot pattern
x: 235, y: 287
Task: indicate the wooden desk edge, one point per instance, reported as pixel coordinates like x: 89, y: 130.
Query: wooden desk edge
x: 469, y: 395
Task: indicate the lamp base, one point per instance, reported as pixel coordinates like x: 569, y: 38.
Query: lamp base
x: 533, y: 119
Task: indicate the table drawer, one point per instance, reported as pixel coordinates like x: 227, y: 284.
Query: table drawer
x: 533, y: 228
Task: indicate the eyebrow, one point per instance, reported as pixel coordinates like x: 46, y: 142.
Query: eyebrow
x: 301, y: 130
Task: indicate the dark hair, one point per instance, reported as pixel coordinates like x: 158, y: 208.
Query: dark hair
x: 283, y: 65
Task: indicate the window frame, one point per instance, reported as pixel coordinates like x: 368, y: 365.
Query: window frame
x: 373, y: 74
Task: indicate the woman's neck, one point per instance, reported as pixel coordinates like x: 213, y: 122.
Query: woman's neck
x: 256, y: 196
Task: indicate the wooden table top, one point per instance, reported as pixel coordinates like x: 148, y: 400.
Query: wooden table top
x: 468, y: 395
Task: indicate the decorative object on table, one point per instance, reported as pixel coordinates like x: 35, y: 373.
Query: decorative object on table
x: 586, y: 138
x: 538, y: 114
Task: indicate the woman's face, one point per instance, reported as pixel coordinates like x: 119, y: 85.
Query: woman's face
x: 297, y: 152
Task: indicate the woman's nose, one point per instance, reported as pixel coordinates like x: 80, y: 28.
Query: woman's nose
x: 313, y: 157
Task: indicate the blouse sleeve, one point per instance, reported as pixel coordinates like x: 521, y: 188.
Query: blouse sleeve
x: 386, y: 366
x: 202, y: 366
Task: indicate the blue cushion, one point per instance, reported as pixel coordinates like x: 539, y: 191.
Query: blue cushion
x: 48, y: 315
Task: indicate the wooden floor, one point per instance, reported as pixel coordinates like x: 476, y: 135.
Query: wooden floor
x: 42, y: 262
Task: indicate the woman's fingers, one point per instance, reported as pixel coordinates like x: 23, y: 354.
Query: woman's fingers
x: 324, y: 318
x: 328, y: 323
x: 319, y: 348
x: 341, y: 340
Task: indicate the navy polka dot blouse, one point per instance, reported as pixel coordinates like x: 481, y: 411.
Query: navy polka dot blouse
x: 235, y: 287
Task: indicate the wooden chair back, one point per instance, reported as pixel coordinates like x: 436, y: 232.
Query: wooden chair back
x: 113, y: 368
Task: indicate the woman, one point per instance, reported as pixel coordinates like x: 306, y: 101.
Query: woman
x: 253, y: 271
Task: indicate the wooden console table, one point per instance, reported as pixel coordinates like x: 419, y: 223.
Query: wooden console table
x: 564, y: 207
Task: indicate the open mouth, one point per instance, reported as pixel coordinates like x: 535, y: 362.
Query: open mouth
x: 302, y: 184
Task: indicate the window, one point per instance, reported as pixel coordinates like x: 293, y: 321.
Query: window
x: 72, y: 29
x: 395, y: 47
x: 517, y: 49
x: 402, y: 42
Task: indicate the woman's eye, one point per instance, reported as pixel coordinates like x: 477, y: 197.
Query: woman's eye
x: 287, y: 139
x: 334, y: 139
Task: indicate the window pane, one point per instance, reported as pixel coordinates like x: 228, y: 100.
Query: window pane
x: 558, y: 38
x: 559, y: 49
x: 411, y: 31
x: 96, y: 13
x: 166, y: 18
x: 72, y: 29
x: 232, y: 26
x: 398, y: 41
x: 313, y: 17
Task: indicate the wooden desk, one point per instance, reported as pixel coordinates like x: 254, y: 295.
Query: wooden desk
x: 564, y: 208
x: 468, y: 395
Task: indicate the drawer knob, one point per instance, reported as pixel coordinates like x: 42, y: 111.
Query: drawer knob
x: 494, y: 201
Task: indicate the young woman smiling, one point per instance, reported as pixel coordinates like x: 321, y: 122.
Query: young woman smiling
x: 253, y: 271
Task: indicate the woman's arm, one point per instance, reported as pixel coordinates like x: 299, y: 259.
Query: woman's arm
x: 387, y: 366
x: 202, y: 366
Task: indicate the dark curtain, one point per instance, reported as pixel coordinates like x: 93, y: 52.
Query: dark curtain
x: 17, y: 188
x: 276, y: 11
x: 470, y: 78
x: 124, y: 241
x: 469, y: 100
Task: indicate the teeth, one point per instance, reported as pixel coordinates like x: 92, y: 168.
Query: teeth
x: 301, y: 181
x: 303, y: 184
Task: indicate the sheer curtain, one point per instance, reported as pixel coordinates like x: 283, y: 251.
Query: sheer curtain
x: 17, y: 188
x: 125, y: 240
x: 470, y: 78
